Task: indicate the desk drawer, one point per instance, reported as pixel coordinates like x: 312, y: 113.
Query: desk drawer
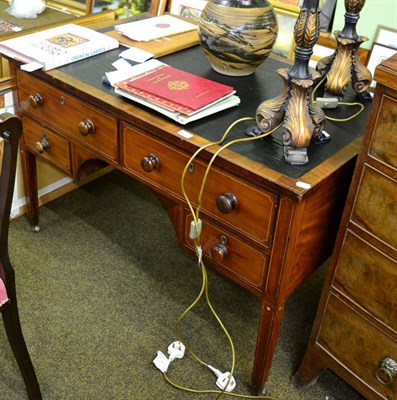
x: 232, y: 257
x: 358, y: 345
x: 47, y: 144
x: 255, y: 210
x: 84, y: 123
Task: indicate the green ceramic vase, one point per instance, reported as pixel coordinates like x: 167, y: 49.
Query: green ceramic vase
x: 237, y: 35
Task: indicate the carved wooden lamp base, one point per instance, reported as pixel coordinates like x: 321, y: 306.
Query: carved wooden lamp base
x: 301, y: 119
x: 344, y: 65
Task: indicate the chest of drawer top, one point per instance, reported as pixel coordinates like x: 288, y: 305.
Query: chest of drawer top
x: 225, y: 197
x: 70, y: 115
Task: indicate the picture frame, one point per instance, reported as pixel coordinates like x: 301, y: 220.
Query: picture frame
x: 386, y: 36
x: 285, y: 42
x: 188, y: 8
x: 378, y: 54
x: 286, y: 5
x: 327, y: 8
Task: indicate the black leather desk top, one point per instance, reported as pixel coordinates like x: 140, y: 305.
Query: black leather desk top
x: 263, y: 84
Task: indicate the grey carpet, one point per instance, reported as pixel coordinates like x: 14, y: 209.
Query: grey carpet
x: 100, y: 287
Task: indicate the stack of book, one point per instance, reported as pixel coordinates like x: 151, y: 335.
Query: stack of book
x: 177, y: 94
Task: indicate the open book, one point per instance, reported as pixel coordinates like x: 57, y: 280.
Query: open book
x: 177, y: 94
x: 57, y: 46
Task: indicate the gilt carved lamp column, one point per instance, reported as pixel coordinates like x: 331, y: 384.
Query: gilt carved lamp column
x: 344, y: 65
x: 300, y: 119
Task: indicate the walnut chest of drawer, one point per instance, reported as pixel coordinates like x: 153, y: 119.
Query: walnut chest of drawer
x: 355, y: 332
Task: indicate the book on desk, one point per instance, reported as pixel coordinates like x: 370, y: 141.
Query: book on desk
x: 177, y: 94
x: 57, y: 46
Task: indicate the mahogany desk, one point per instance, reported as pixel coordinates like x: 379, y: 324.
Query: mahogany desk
x: 269, y: 242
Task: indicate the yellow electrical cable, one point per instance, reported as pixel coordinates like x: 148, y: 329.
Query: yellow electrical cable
x: 340, y: 103
x: 348, y: 118
x: 197, y: 241
x: 200, y: 391
x: 195, y: 216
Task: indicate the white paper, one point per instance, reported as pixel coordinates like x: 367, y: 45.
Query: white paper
x: 154, y: 28
x: 136, y: 55
x: 121, y: 64
x: 133, y: 70
x: 33, y: 66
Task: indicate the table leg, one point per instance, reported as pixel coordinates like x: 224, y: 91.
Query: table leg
x: 269, y: 328
x: 29, y: 171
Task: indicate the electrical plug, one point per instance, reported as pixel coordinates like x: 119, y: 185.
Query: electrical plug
x: 176, y: 350
x: 225, y: 381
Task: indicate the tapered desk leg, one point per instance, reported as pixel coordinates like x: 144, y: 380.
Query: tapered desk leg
x: 30, y: 184
x: 269, y: 328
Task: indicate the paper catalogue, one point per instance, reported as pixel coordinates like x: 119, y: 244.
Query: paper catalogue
x: 57, y: 46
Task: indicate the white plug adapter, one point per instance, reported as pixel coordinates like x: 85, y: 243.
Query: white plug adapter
x: 225, y: 381
x: 176, y: 350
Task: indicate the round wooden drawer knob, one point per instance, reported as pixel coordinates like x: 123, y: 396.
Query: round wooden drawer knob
x: 150, y: 163
x: 86, y: 127
x: 42, y: 146
x: 226, y: 203
x: 219, y: 252
x: 35, y: 100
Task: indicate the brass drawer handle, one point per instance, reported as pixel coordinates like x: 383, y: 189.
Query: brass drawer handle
x: 386, y: 371
x: 150, y: 163
x: 226, y: 203
x: 35, y: 100
x: 219, y: 252
x: 86, y: 127
x: 42, y: 146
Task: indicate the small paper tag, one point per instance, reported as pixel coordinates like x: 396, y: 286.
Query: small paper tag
x: 161, y: 362
x: 303, y: 185
x: 185, y: 134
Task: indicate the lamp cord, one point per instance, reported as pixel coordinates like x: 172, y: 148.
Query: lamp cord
x: 197, y: 243
x: 340, y: 103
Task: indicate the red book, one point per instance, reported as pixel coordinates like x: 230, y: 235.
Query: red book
x: 178, y: 90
